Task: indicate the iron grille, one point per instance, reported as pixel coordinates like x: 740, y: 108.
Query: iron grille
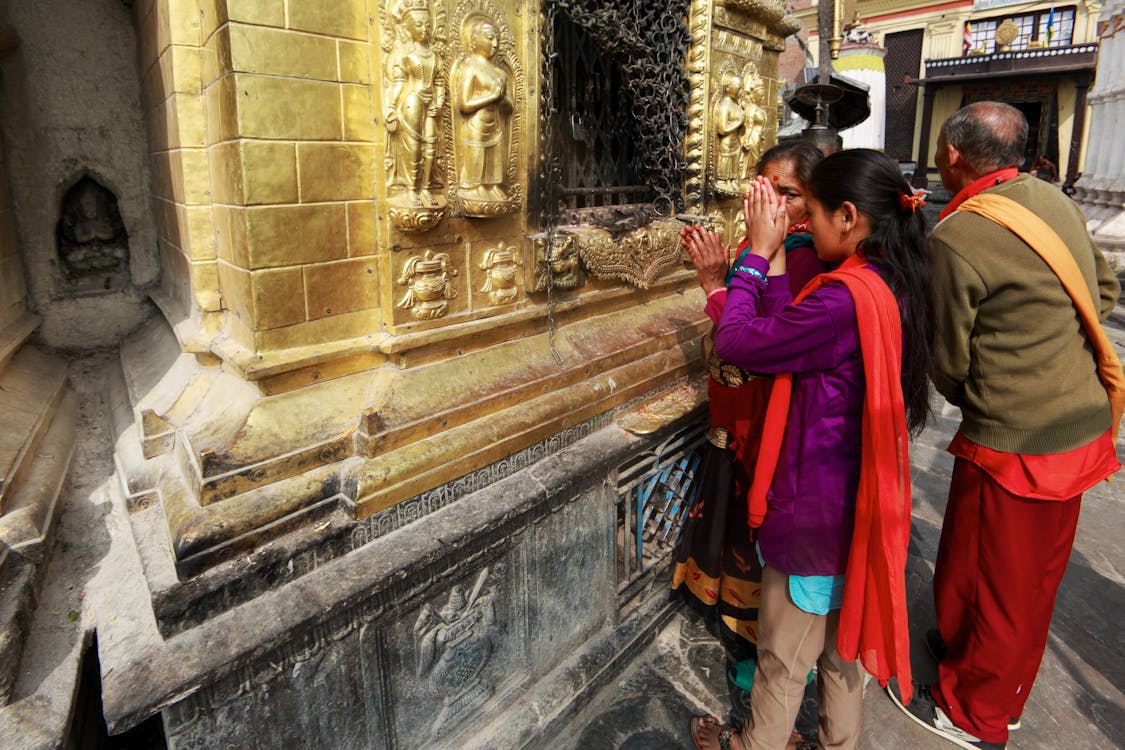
x: 595, y: 131
x: 654, y: 492
x: 903, y: 60
x: 620, y: 92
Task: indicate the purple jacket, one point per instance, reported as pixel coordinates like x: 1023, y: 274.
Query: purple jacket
x: 808, y: 526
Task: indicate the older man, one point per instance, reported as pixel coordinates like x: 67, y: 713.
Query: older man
x: 1035, y: 430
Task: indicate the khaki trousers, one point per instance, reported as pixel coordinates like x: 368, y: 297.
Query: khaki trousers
x: 790, y: 641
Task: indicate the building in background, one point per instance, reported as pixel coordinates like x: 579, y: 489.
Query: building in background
x: 939, y: 56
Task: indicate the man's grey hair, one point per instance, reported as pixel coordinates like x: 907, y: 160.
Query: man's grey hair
x: 989, y: 135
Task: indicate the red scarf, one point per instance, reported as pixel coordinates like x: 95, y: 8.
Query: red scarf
x: 873, y: 625
x: 984, y: 182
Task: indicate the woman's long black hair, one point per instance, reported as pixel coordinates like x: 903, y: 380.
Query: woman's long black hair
x: 897, y: 246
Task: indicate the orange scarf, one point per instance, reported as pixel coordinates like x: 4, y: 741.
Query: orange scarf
x: 873, y: 625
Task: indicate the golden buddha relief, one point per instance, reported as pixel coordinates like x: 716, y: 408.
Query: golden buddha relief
x: 485, y: 86
x: 729, y: 122
x: 429, y: 283
x: 414, y: 98
x: 501, y: 283
x: 752, y: 99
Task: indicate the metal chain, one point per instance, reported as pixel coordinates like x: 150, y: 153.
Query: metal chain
x: 550, y: 177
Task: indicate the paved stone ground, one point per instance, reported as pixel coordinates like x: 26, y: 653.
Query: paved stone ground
x: 1079, y: 698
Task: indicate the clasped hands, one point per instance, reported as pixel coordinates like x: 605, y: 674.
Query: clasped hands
x: 764, y: 212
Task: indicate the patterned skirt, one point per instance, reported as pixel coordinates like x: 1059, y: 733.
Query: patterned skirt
x: 716, y: 568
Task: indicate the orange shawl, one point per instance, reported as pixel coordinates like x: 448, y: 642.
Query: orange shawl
x: 873, y: 625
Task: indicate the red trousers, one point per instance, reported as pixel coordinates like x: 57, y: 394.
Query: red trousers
x: 999, y: 564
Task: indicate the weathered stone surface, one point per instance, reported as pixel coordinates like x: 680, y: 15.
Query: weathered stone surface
x: 425, y: 633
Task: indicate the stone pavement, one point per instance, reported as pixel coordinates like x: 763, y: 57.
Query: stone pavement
x: 1078, y: 702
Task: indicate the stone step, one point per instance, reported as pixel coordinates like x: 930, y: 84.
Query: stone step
x: 31, y: 507
x: 31, y: 387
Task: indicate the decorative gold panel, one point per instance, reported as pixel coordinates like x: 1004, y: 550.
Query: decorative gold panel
x: 501, y: 266
x: 486, y: 85
x: 560, y: 264
x: 429, y: 285
x: 414, y: 86
x: 638, y: 257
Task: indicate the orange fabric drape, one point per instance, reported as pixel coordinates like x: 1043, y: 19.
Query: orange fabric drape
x: 873, y: 622
x: 1049, y: 246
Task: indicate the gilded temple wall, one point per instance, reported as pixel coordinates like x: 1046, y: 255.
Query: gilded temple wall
x: 374, y: 350
x: 348, y: 199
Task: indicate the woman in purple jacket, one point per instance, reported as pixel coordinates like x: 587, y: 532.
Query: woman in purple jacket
x: 859, y: 204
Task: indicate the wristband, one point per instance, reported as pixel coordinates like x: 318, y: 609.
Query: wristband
x: 753, y: 272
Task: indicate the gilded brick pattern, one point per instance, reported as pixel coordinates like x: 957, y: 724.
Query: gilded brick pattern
x: 290, y: 134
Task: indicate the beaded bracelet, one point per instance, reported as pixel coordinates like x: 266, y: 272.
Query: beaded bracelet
x: 753, y: 272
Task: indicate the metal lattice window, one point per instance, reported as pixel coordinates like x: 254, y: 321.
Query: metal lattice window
x: 596, y: 131
x: 654, y: 493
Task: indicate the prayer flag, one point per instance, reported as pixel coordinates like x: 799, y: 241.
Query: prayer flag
x: 967, y: 39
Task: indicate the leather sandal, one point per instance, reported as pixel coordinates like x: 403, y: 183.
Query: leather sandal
x: 708, y: 734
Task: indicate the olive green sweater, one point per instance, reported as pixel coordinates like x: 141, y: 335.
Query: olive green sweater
x: 1011, y: 351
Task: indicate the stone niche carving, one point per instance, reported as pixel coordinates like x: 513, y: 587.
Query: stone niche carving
x: 93, y: 245
x: 454, y: 643
x: 501, y: 265
x: 414, y: 85
x: 429, y: 283
x: 485, y: 85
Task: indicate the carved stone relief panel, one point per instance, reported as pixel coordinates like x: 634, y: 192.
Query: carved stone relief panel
x: 458, y: 654
x: 486, y: 86
x: 93, y: 246
x: 414, y: 97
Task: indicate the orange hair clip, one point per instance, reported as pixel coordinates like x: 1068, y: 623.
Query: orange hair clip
x: 911, y: 201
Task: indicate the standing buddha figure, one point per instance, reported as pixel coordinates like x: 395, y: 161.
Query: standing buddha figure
x: 415, y: 98
x: 480, y: 86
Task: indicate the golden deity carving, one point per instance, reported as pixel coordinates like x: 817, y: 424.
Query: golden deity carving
x: 559, y: 263
x: 430, y: 286
x: 502, y: 281
x: 415, y: 96
x: 729, y: 121
x: 480, y: 88
x: 752, y: 99
x: 638, y: 257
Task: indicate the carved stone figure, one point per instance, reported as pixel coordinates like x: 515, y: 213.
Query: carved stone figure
x: 91, y: 235
x: 415, y: 97
x: 502, y: 283
x: 480, y: 87
x: 430, y: 285
x: 729, y: 122
x: 752, y: 99
x: 454, y: 644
